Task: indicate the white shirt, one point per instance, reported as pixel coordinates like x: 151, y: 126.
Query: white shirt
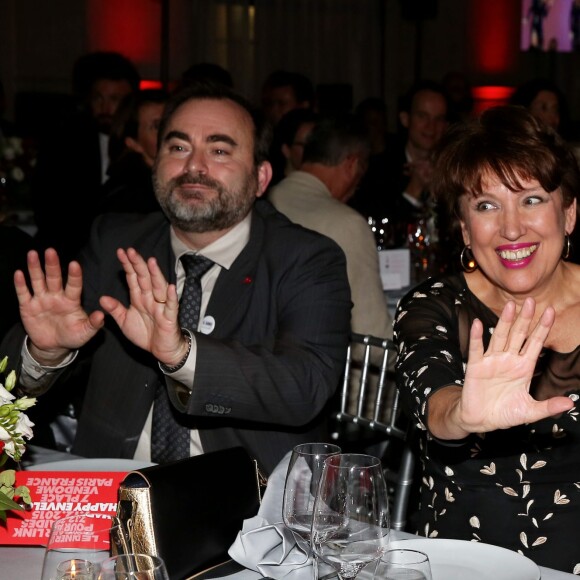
x: 104, y: 149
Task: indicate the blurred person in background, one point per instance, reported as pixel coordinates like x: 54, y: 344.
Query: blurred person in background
x: 545, y: 101
x: 400, y: 193
x: 73, y: 156
x: 132, y: 151
x: 288, y: 141
x: 14, y: 246
x: 283, y: 91
x: 459, y: 95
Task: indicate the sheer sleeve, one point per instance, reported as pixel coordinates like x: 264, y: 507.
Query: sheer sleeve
x: 431, y: 331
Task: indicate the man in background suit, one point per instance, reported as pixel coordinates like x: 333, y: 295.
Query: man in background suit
x: 274, y: 322
x: 398, y: 186
x: 73, y: 158
x: 335, y: 158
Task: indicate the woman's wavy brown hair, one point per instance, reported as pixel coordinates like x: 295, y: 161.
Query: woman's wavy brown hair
x: 507, y: 142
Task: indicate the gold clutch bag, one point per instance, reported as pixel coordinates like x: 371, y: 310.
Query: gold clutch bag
x: 189, y: 512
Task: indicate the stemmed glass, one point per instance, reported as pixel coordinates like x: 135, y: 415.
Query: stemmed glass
x: 404, y: 564
x: 350, y: 525
x: 133, y: 567
x: 78, y: 543
x: 302, y: 477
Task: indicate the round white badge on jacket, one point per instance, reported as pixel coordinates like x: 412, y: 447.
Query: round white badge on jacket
x: 207, y: 325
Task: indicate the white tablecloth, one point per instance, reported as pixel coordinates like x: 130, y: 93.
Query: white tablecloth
x: 25, y: 562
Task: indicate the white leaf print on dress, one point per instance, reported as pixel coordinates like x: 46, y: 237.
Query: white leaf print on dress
x: 560, y: 498
x: 558, y: 432
x: 447, y: 355
x: 539, y: 541
x: 422, y: 370
x: 488, y: 469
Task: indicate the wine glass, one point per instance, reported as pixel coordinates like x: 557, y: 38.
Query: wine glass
x: 401, y: 564
x: 78, y: 543
x: 302, y: 477
x: 133, y: 567
x: 350, y: 525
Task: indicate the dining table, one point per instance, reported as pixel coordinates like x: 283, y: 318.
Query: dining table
x: 25, y: 562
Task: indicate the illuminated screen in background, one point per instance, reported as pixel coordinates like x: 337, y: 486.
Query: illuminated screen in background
x: 550, y: 25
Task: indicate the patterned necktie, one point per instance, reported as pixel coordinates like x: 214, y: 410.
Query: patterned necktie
x: 169, y: 439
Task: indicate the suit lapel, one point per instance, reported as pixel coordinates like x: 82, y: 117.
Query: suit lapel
x: 234, y: 287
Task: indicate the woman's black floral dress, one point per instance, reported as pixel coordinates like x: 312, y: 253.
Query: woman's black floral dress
x: 518, y: 488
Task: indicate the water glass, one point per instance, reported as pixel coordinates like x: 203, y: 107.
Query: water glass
x: 78, y: 542
x: 401, y: 564
x: 350, y: 525
x: 133, y: 567
x: 302, y: 477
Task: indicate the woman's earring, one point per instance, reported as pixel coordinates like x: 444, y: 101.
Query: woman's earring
x: 567, y: 247
x: 467, y: 260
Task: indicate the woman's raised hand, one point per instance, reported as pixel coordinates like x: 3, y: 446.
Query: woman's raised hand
x: 496, y: 390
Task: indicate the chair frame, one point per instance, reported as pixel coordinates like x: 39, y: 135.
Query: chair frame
x: 390, y: 429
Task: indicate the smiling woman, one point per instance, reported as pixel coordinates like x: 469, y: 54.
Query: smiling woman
x: 489, y: 359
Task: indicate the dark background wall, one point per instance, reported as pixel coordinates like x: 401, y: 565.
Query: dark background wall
x: 40, y: 40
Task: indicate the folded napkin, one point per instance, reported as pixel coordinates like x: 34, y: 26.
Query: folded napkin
x: 265, y: 544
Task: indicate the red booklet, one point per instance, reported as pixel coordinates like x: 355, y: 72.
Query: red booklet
x: 56, y: 494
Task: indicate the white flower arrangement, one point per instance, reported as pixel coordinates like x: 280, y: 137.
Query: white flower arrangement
x: 15, y: 427
x: 17, y: 163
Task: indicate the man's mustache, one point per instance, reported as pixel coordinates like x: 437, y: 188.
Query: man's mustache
x: 187, y: 179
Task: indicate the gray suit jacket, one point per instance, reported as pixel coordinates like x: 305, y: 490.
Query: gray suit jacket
x: 266, y: 373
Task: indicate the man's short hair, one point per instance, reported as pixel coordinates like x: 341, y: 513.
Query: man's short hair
x: 207, y: 71
x: 288, y: 125
x: 126, y: 118
x: 301, y: 84
x: 335, y: 137
x: 406, y: 101
x: 95, y: 66
x: 371, y: 104
x: 206, y: 90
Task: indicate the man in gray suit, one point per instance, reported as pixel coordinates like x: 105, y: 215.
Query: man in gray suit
x: 266, y: 358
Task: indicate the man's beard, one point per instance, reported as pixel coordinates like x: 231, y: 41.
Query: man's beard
x: 220, y: 212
